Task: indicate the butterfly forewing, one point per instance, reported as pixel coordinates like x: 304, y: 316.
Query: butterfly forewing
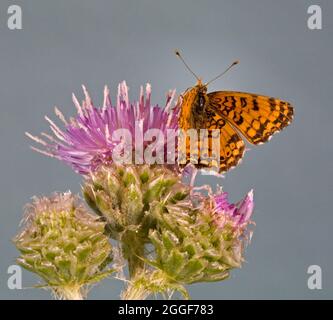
x: 186, y: 119
x: 257, y: 117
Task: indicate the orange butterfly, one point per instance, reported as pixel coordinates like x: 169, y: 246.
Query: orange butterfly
x: 225, y: 114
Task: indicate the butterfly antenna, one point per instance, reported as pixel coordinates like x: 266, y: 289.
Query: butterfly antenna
x: 224, y: 72
x: 186, y: 65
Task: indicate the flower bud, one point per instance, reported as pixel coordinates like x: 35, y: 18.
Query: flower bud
x: 124, y: 195
x: 63, y: 244
x: 193, y: 245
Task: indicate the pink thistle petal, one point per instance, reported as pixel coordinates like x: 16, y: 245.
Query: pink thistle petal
x: 238, y: 214
x: 86, y: 140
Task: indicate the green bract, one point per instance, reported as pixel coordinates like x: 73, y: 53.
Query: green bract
x: 123, y: 195
x: 64, y: 245
x: 189, y: 248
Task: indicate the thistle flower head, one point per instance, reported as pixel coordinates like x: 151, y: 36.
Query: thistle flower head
x: 87, y: 140
x: 199, y: 239
x: 63, y: 244
x: 238, y: 215
x: 124, y: 195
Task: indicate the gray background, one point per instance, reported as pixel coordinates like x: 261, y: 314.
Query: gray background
x: 65, y: 43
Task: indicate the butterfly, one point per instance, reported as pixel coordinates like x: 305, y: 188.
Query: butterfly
x: 226, y: 116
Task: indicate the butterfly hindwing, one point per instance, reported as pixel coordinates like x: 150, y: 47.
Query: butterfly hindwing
x: 232, y: 146
x: 217, y: 131
x: 257, y: 117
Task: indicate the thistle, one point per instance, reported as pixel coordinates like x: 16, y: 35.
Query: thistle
x: 126, y: 196
x: 63, y: 244
x: 193, y: 245
x: 86, y: 142
x: 170, y: 235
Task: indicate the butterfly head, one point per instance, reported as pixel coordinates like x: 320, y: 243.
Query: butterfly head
x: 200, y: 87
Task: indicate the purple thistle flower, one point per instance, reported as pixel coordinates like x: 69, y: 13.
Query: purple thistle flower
x: 86, y: 142
x: 237, y: 214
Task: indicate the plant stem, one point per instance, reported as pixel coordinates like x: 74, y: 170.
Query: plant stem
x: 133, y: 251
x: 69, y: 293
x: 133, y: 292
